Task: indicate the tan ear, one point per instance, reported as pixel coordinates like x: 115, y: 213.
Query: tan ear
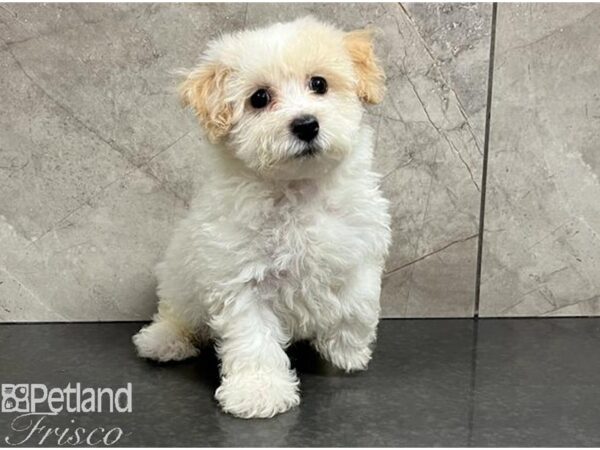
x: 371, y: 78
x: 204, y: 91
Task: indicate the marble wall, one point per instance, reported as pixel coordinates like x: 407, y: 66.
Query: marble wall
x: 542, y: 222
x: 98, y: 161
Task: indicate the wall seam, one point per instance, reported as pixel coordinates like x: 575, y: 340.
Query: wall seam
x: 486, y: 145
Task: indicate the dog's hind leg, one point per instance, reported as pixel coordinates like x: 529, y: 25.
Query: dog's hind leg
x: 178, y: 327
x: 170, y: 337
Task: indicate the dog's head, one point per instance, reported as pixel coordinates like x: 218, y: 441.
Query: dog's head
x: 287, y: 99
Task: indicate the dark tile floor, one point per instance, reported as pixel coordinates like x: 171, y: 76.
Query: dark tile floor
x: 525, y: 382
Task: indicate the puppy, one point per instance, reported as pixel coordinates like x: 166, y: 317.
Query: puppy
x: 286, y: 239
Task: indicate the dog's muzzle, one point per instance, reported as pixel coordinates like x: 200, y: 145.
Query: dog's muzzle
x: 308, y: 151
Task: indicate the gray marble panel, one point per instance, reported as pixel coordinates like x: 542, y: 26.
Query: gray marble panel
x: 21, y: 21
x: 97, y: 159
x: 433, y: 176
x: 542, y: 222
x: 457, y: 35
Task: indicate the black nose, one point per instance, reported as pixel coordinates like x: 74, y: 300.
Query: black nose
x: 305, y: 128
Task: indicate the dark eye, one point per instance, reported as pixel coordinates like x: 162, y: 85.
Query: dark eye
x: 260, y: 99
x: 318, y: 85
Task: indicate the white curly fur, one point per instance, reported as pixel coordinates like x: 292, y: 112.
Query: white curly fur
x: 276, y: 247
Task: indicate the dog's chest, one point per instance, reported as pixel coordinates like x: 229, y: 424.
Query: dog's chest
x: 304, y: 236
x: 302, y: 244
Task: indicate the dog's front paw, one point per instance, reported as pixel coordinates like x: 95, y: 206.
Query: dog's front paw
x: 258, y: 394
x: 345, y: 357
x: 163, y: 341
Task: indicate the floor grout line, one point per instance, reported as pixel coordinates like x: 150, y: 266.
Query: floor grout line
x: 473, y: 383
x: 486, y: 146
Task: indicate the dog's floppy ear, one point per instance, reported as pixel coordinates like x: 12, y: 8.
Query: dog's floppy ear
x: 204, y: 91
x: 371, y: 78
